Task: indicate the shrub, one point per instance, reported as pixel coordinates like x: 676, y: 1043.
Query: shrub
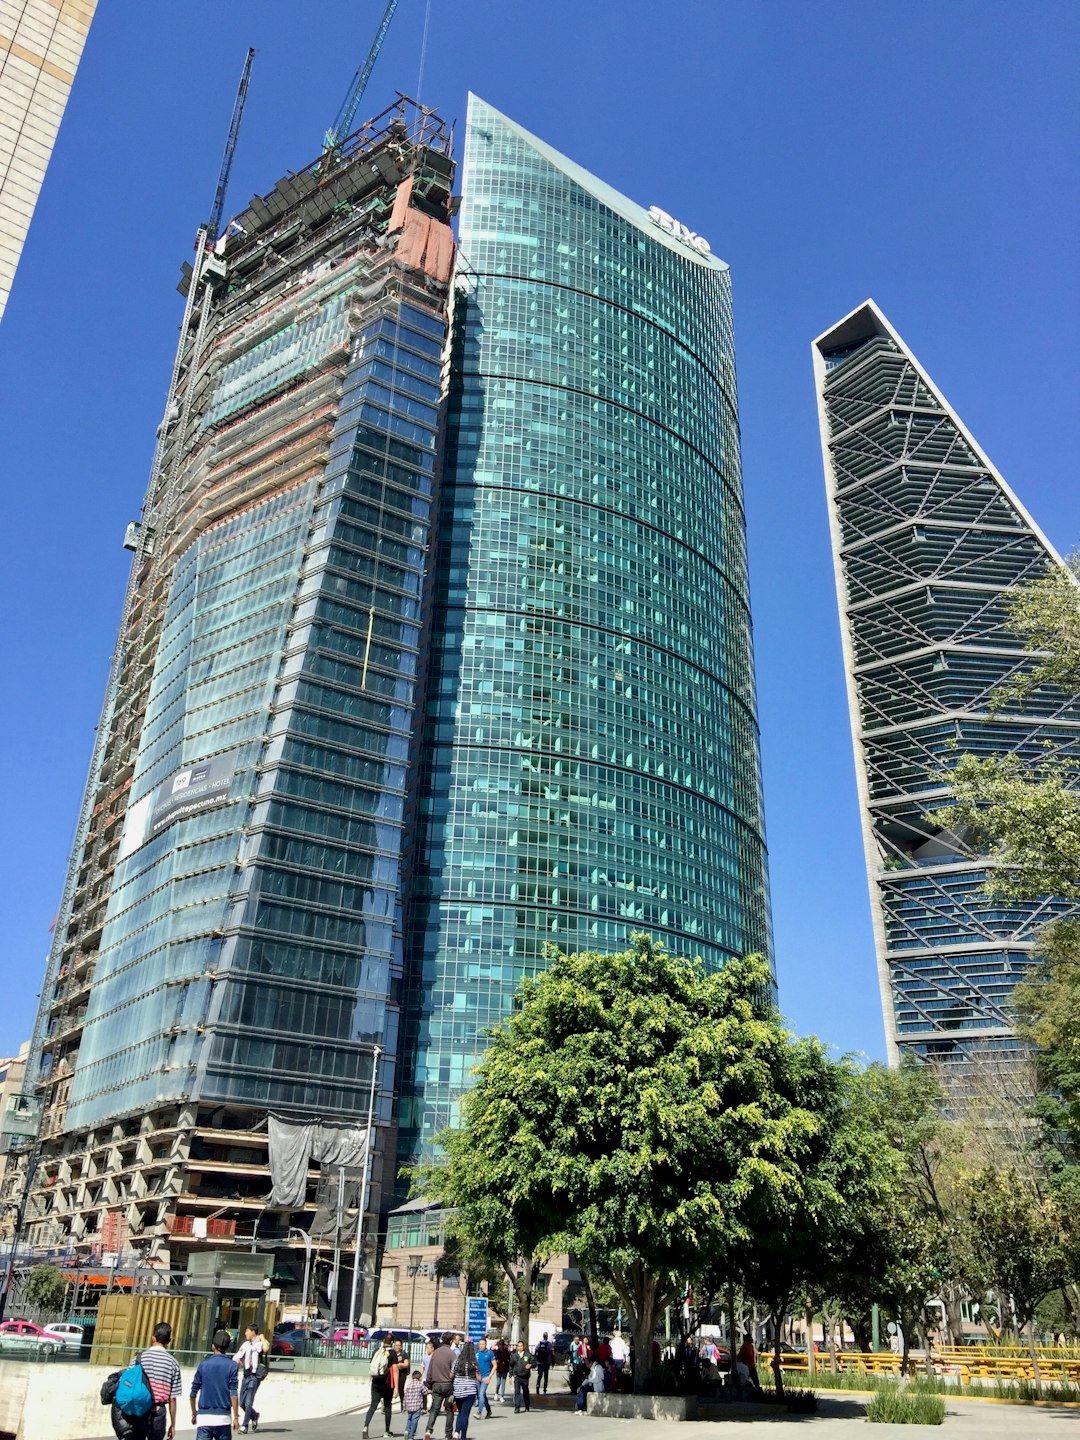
x: 905, y: 1407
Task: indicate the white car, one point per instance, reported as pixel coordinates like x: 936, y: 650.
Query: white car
x: 70, y: 1336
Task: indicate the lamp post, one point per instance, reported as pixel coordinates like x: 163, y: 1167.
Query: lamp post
x: 376, y: 1052
x: 305, y: 1236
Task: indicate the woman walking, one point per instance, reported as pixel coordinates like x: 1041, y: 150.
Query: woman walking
x: 401, y: 1363
x: 465, y: 1373
x: 502, y: 1367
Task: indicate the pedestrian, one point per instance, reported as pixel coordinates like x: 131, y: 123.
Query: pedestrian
x: 429, y: 1350
x: 485, y: 1365
x: 543, y: 1356
x: 603, y: 1350
x: 619, y: 1352
x: 214, y: 1409
x: 465, y: 1388
x: 401, y: 1364
x: 521, y: 1367
x: 163, y: 1378
x: 596, y: 1384
x: 251, y: 1359
x: 413, y: 1399
x: 746, y: 1362
x: 441, y: 1385
x: 502, y: 1367
x: 382, y: 1385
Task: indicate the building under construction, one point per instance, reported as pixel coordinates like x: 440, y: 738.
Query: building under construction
x: 229, y: 941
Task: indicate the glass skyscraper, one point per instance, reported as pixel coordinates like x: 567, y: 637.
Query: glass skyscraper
x: 589, y: 761
x: 928, y: 540
x: 437, y: 647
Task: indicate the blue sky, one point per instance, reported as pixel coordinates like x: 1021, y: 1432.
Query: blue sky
x: 922, y: 153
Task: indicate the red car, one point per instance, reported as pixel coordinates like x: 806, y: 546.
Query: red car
x: 23, y: 1327
x: 342, y: 1335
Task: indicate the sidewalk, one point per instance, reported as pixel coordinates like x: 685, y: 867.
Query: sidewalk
x: 836, y: 1419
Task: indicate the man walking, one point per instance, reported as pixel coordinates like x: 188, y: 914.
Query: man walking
x: 382, y: 1385
x: 485, y: 1364
x: 521, y: 1368
x: 214, y: 1409
x: 252, y: 1366
x: 163, y: 1377
x: 543, y: 1354
x: 441, y: 1385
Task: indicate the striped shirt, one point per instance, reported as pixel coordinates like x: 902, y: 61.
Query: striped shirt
x: 162, y: 1373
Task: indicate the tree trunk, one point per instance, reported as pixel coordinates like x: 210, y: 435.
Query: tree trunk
x: 777, y: 1319
x: 643, y: 1297
x: 733, y: 1343
x: 590, y: 1300
x: 954, y: 1320
x: 521, y: 1286
x: 1034, y: 1357
x: 811, y: 1358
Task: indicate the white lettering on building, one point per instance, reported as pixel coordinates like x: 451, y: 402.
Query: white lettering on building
x: 680, y: 231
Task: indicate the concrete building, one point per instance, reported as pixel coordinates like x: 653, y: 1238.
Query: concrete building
x: 229, y: 939
x: 18, y: 1125
x: 928, y: 540
x: 41, y: 42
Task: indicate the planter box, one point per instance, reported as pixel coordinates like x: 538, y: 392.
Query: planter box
x: 644, y: 1407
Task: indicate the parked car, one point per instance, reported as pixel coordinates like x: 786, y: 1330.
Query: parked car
x: 344, y: 1336
x: 30, y: 1339
x: 73, y: 1337
x: 299, y: 1340
x: 407, y: 1337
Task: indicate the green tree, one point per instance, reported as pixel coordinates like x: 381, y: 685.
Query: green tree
x: 1018, y: 1241
x: 824, y: 1243
x: 46, y: 1287
x: 640, y: 1112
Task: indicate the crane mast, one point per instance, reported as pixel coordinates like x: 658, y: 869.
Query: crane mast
x: 343, y: 124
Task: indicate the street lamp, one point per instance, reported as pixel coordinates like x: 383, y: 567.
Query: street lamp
x: 306, y: 1237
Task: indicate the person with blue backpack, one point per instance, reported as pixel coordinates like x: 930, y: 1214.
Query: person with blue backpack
x: 215, y: 1407
x: 143, y: 1397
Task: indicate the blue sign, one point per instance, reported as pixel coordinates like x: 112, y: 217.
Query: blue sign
x: 476, y: 1317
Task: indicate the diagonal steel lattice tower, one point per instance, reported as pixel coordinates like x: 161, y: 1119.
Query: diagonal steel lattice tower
x: 927, y: 542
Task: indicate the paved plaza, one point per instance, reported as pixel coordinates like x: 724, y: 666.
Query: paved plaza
x: 835, y: 1418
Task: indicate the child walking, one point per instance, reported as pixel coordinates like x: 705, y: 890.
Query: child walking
x: 414, y: 1404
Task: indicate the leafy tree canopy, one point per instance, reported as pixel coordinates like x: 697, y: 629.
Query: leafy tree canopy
x: 654, y: 1118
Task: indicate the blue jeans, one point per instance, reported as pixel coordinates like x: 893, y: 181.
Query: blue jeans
x: 500, y: 1385
x: 464, y: 1410
x: 412, y: 1421
x: 214, y: 1432
x: 249, y: 1385
x: 584, y: 1391
x: 482, y: 1402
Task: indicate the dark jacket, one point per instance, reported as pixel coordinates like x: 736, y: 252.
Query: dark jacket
x: 441, y: 1369
x: 521, y: 1364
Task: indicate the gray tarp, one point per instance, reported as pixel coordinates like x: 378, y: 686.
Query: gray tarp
x: 294, y: 1144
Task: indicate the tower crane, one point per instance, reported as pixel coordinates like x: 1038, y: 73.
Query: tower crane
x: 343, y: 124
x: 213, y: 225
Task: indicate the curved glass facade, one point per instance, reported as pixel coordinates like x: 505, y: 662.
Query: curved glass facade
x: 589, y: 761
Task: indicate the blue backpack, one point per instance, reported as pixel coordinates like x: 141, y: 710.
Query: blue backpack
x: 133, y: 1398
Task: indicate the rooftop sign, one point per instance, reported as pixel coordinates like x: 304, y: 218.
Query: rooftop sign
x: 678, y: 230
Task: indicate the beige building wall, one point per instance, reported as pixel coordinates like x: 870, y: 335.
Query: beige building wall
x: 40, y: 45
